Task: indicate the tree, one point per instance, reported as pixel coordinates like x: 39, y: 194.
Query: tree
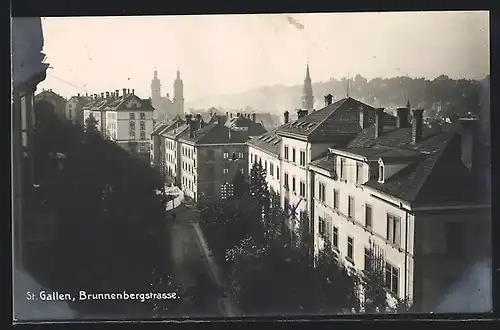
x: 108, y: 209
x: 339, y: 284
x: 240, y: 185
x: 91, y: 124
x: 258, y: 187
x: 374, y: 280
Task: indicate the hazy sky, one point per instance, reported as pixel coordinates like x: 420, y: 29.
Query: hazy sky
x: 224, y: 54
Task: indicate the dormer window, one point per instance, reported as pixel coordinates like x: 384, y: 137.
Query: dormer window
x: 381, y: 171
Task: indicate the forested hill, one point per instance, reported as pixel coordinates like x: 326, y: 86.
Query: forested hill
x: 454, y: 96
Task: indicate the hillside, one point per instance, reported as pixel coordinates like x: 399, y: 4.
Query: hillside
x: 455, y: 96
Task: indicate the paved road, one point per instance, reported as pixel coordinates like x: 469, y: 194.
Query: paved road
x: 188, y: 262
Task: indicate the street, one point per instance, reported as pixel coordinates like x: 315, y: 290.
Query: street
x: 189, y: 264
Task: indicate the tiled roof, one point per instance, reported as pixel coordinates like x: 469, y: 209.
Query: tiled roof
x: 339, y: 118
x: 436, y: 176
x: 114, y: 103
x: 253, y: 128
x: 269, y: 141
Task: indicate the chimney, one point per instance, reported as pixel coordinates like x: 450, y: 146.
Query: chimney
x: 191, y: 123
x: 78, y: 94
x: 231, y: 115
x: 301, y: 113
x: 124, y: 91
x: 254, y: 117
x: 238, y: 114
x: 379, y: 124
x: 328, y: 99
x: 133, y: 91
x: 417, y: 125
x: 128, y: 90
x: 402, y: 117
x: 287, y: 116
x: 469, y: 129
x: 86, y: 94
x: 229, y: 134
x: 117, y: 92
x: 364, y: 118
x: 102, y: 95
x: 107, y: 95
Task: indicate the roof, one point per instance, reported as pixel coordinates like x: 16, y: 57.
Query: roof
x: 339, y: 118
x: 269, y: 142
x: 80, y: 99
x: 244, y: 123
x: 121, y: 103
x: 435, y: 172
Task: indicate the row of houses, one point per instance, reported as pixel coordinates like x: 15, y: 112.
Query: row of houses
x: 366, y: 177
x: 201, y: 157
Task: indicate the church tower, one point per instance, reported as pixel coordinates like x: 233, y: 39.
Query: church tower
x: 155, y: 89
x: 307, y: 93
x: 179, y: 94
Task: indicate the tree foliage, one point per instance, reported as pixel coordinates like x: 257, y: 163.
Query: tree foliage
x: 109, y: 211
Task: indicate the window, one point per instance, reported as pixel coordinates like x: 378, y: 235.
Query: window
x: 142, y: 115
x: 286, y: 152
x: 265, y: 165
x: 342, y: 168
x: 394, y: 229
x: 143, y: 135
x: 277, y: 172
x: 368, y: 258
x: 350, y: 248
x: 302, y: 188
x: 226, y: 155
x: 392, y: 278
x: 225, y: 171
x: 368, y: 216
x: 335, y: 237
x: 240, y: 155
x: 143, y: 125
x: 322, y: 226
x: 321, y: 192
x: 293, y: 155
x: 271, y: 169
x: 350, y: 207
x: 359, y: 167
x: 70, y: 113
x: 381, y: 172
x: 132, y: 125
x: 286, y: 181
x: 335, y: 199
x: 233, y: 156
x: 302, y: 158
x: 132, y: 116
x: 293, y: 183
x: 131, y: 135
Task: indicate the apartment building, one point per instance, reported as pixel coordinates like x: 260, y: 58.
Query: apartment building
x: 74, y: 108
x: 57, y: 101
x: 123, y: 118
x: 163, y: 150
x: 202, y: 157
x: 266, y: 150
x: 309, y: 138
x: 404, y: 188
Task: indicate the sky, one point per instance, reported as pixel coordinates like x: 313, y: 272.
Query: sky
x: 224, y: 54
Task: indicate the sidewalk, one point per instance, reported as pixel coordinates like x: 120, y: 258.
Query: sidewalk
x: 227, y: 306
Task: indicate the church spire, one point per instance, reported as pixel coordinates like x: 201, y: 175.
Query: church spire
x: 178, y: 73
x: 155, y: 74
x: 307, y: 93
x: 347, y: 84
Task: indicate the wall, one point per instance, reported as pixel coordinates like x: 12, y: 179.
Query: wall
x: 437, y: 269
x: 355, y: 227
x: 188, y: 170
x: 273, y: 179
x: 211, y: 175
